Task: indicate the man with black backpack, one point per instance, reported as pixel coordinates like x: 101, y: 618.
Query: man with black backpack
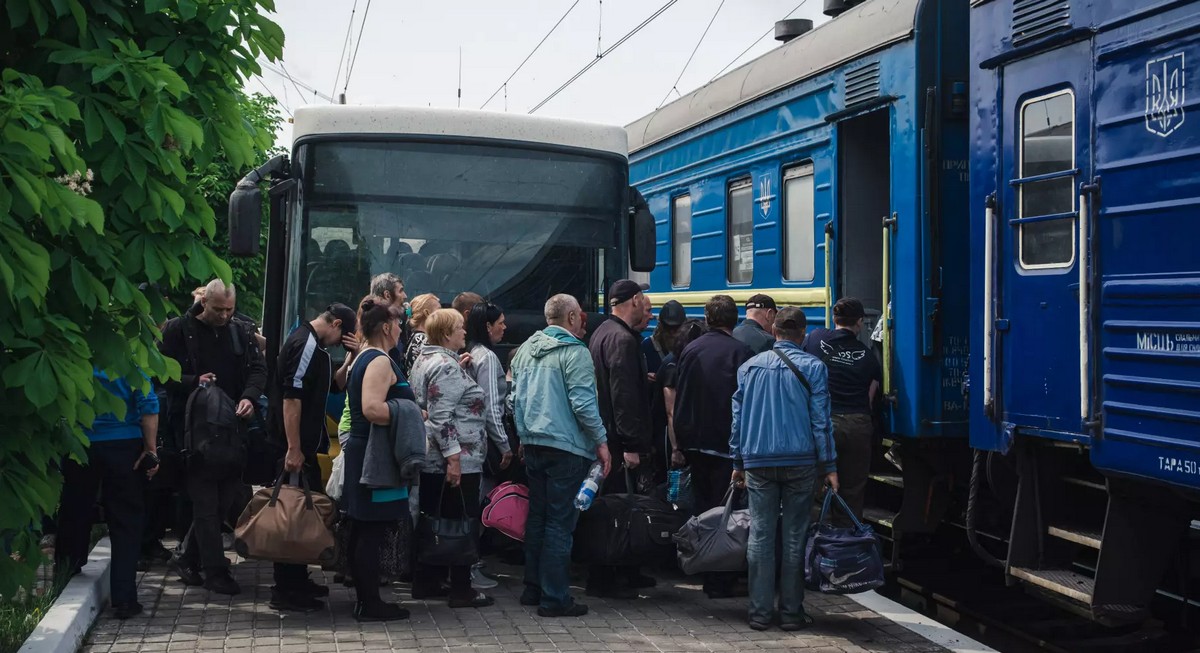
x: 222, y: 375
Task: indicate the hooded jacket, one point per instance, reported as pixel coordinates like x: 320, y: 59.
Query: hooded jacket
x: 554, y: 394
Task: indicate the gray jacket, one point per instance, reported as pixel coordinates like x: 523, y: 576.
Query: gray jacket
x: 395, y: 452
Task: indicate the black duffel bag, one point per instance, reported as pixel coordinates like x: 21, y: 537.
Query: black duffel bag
x: 842, y: 560
x: 627, y: 529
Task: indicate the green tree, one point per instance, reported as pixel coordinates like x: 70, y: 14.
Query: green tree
x: 105, y: 107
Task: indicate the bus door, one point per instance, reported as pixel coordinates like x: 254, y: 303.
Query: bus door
x: 1045, y: 157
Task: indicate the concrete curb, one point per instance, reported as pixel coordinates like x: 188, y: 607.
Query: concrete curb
x: 930, y: 629
x: 75, y: 610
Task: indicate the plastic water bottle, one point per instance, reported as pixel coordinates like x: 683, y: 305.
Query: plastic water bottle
x: 589, y: 488
x: 673, y: 485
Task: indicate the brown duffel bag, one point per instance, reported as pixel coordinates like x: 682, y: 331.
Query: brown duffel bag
x: 287, y: 524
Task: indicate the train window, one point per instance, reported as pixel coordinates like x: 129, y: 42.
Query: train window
x: 739, y: 249
x: 1047, y: 147
x: 681, y: 240
x: 798, y: 211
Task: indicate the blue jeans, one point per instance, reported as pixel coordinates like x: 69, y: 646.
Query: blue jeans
x: 775, y: 491
x: 554, y: 479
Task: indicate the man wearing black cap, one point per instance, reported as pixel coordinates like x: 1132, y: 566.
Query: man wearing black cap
x: 305, y: 375
x: 655, y: 348
x: 854, y: 379
x: 753, y: 331
x: 622, y: 388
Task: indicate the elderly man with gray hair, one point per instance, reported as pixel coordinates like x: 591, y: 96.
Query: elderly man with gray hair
x: 212, y: 349
x: 557, y: 417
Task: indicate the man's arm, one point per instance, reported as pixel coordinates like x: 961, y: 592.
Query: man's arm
x: 173, y: 346
x: 735, y: 425
x: 256, y: 373
x: 293, y: 460
x: 820, y: 420
x: 147, y: 406
x: 578, y: 374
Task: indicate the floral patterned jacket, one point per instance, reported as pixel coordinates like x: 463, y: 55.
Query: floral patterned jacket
x: 457, y: 411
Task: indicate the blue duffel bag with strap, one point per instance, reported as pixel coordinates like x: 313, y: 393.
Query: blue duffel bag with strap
x: 841, y: 560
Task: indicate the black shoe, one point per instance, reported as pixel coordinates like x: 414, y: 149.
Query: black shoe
x: 143, y: 564
x: 573, y: 610
x: 792, y: 626
x: 479, y: 600
x: 222, y: 583
x: 758, y: 625
x: 640, y: 581
x: 531, y: 596
x: 156, y: 553
x: 622, y: 592
x: 310, y: 589
x: 379, y: 612
x: 294, y: 602
x: 127, y: 610
x: 190, y: 576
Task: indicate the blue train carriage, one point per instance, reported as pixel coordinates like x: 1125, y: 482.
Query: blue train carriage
x: 836, y: 166
x: 1086, y: 373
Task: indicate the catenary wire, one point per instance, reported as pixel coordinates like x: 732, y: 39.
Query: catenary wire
x: 606, y: 52
x: 756, y: 42
x: 530, y: 55
x: 362, y: 27
x: 675, y: 85
x: 345, y: 46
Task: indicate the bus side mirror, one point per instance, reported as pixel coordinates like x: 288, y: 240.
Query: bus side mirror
x: 245, y: 219
x: 642, y: 236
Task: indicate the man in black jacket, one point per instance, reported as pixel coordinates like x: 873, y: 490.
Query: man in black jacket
x: 707, y: 379
x: 622, y: 387
x: 305, y: 376
x: 211, y: 349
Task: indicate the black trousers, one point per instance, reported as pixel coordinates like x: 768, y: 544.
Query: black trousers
x: 453, y: 504
x: 292, y: 577
x: 852, y: 435
x: 110, y: 472
x: 214, y: 495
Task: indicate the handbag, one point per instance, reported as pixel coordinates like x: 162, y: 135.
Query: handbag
x: 287, y: 524
x: 715, y: 540
x: 447, y: 541
x: 507, y: 510
x: 395, y: 554
x: 337, y: 477
x: 842, y: 560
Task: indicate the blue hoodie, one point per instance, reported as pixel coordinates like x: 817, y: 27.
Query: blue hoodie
x: 109, y: 427
x: 554, y: 394
x: 776, y: 423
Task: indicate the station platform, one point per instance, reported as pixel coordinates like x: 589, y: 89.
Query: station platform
x: 675, y: 616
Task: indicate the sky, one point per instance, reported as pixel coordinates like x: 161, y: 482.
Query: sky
x: 408, y: 53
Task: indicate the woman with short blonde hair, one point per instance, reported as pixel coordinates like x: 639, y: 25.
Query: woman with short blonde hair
x: 422, y: 306
x: 454, y: 451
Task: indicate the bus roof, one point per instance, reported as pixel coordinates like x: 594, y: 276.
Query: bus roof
x: 348, y: 120
x: 867, y: 27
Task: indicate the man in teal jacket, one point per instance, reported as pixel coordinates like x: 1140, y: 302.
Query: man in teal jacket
x: 557, y: 417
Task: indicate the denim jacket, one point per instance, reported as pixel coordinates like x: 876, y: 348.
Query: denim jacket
x: 554, y: 394
x: 776, y: 423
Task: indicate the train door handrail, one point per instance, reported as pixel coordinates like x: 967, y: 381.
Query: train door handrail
x: 828, y: 276
x: 989, y: 237
x: 888, y: 224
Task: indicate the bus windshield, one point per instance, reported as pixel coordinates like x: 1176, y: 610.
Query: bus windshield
x: 511, y: 223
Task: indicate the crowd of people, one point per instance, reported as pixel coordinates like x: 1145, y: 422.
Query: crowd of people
x: 763, y: 405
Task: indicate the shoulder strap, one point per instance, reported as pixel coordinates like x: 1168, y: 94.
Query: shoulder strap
x: 792, y: 366
x: 238, y: 337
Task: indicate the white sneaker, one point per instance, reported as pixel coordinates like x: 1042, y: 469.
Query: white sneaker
x: 479, y: 581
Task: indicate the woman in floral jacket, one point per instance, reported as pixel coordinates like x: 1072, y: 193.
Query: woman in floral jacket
x: 454, y: 448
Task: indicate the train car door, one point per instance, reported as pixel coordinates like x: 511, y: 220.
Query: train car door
x: 1044, y: 157
x: 865, y: 200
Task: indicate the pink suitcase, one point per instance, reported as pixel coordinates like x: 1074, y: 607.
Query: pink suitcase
x: 507, y: 510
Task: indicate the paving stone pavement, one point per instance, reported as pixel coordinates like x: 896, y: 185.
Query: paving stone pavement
x: 675, y: 616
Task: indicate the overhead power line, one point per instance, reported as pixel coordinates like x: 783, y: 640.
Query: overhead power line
x: 675, y: 85
x: 362, y: 27
x: 603, y: 54
x: 756, y: 42
x: 296, y: 82
x: 345, y: 46
x: 530, y: 55
x: 272, y: 94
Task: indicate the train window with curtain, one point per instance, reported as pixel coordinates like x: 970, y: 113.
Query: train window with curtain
x: 739, y: 248
x: 1047, y: 148
x: 681, y: 240
x: 798, y: 218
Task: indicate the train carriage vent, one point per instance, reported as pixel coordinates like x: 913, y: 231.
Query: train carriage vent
x: 862, y: 84
x: 1035, y: 18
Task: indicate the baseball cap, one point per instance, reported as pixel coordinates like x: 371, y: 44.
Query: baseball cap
x: 761, y: 301
x: 346, y: 314
x: 672, y: 314
x: 791, y: 318
x: 624, y: 290
x: 849, y: 308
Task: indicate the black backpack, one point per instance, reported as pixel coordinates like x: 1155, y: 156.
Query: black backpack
x: 212, y: 435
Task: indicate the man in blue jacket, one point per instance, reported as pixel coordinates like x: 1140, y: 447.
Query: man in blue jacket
x: 121, y: 456
x: 558, y: 419
x: 781, y: 443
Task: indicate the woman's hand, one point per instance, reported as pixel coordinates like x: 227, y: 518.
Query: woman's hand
x: 506, y: 460
x: 464, y: 361
x: 454, y: 470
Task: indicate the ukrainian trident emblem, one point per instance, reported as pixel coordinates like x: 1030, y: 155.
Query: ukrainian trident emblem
x: 1166, y: 84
